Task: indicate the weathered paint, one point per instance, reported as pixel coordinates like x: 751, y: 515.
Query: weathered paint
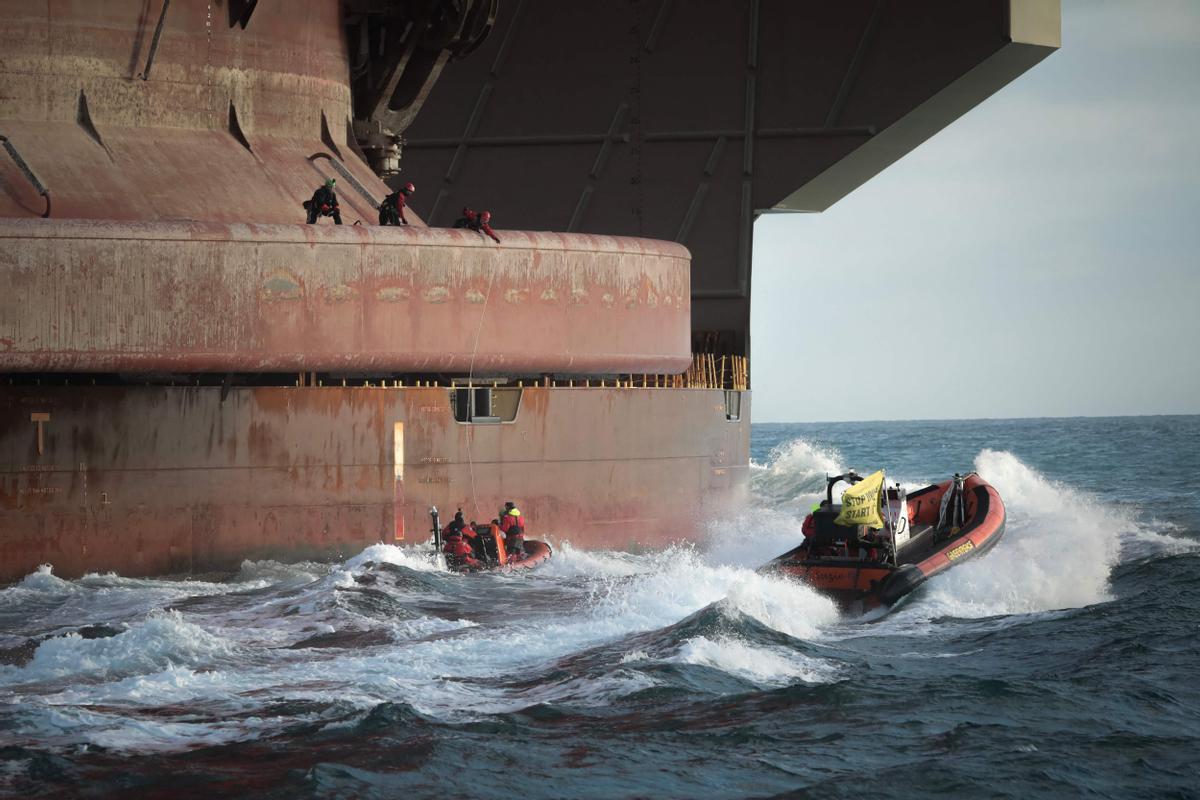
x: 187, y: 175
x: 109, y: 145
x: 146, y: 480
x: 88, y: 295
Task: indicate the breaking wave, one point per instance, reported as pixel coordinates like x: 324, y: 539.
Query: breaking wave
x: 1060, y: 547
x: 794, y: 476
x: 690, y: 643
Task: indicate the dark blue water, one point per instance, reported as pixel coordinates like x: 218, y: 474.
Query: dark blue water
x: 1062, y: 663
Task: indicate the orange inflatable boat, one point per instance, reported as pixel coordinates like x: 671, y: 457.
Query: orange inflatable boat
x: 919, y: 535
x: 481, y: 548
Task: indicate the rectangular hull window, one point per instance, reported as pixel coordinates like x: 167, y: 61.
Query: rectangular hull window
x: 482, y: 405
x: 733, y: 405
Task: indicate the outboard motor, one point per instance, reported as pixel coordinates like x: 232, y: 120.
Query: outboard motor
x: 487, y: 547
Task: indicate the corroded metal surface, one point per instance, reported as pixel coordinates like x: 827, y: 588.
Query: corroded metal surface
x: 109, y: 296
x: 108, y: 478
x: 223, y: 129
x: 173, y: 245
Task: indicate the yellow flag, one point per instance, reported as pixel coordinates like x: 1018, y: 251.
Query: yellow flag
x: 860, y: 503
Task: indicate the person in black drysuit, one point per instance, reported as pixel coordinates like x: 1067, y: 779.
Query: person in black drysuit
x: 391, y: 210
x: 457, y: 524
x: 324, y: 203
x: 467, y: 220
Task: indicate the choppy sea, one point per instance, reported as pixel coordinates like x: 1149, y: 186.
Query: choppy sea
x: 1063, y: 663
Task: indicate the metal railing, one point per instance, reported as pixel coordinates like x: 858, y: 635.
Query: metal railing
x: 707, y: 371
x: 345, y: 173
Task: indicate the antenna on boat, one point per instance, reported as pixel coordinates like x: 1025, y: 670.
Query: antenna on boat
x: 959, y: 511
x: 437, y: 529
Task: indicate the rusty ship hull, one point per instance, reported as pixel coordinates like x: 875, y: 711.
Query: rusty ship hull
x: 139, y: 448
x: 321, y: 472
x: 190, y: 376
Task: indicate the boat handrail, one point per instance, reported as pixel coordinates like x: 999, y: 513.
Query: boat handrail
x: 850, y: 476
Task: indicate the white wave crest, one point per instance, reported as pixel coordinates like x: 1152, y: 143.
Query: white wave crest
x: 1059, y: 548
x: 85, y: 726
x: 766, y: 666
x: 162, y: 640
x: 569, y: 561
x: 682, y: 583
x: 782, y: 492
x: 752, y: 537
x: 783, y: 604
x: 43, y: 580
x: 415, y: 557
x: 1153, y: 537
x: 275, y: 573
x: 794, y: 473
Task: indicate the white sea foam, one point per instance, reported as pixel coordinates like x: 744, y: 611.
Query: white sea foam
x: 569, y: 561
x: 1058, y: 550
x: 1151, y: 538
x: 782, y: 492
x: 415, y: 557
x: 173, y: 685
x: 584, y: 691
x: 161, y: 640
x: 794, y: 474
x: 232, y: 656
x: 228, y: 654
x: 100, y: 598
x: 752, y: 537
x: 84, y: 727
x: 44, y: 580
x: 224, y: 659
x: 39, y: 587
x: 111, y: 582
x: 782, y: 604
x: 275, y: 573
x: 452, y: 676
x: 628, y: 594
x: 682, y: 583
x: 766, y: 666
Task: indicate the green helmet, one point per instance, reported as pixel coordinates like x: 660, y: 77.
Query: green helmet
x: 816, y: 506
x: 330, y: 182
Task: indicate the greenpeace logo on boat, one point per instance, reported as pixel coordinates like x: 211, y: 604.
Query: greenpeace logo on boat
x: 830, y: 578
x: 961, y: 550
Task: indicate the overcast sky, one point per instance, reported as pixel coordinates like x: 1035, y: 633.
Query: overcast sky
x: 1044, y: 249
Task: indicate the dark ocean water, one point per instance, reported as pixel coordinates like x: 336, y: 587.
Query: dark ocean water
x: 1063, y: 663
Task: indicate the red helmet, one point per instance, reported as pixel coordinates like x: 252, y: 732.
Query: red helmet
x: 485, y: 216
x: 409, y: 188
x: 468, y: 212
